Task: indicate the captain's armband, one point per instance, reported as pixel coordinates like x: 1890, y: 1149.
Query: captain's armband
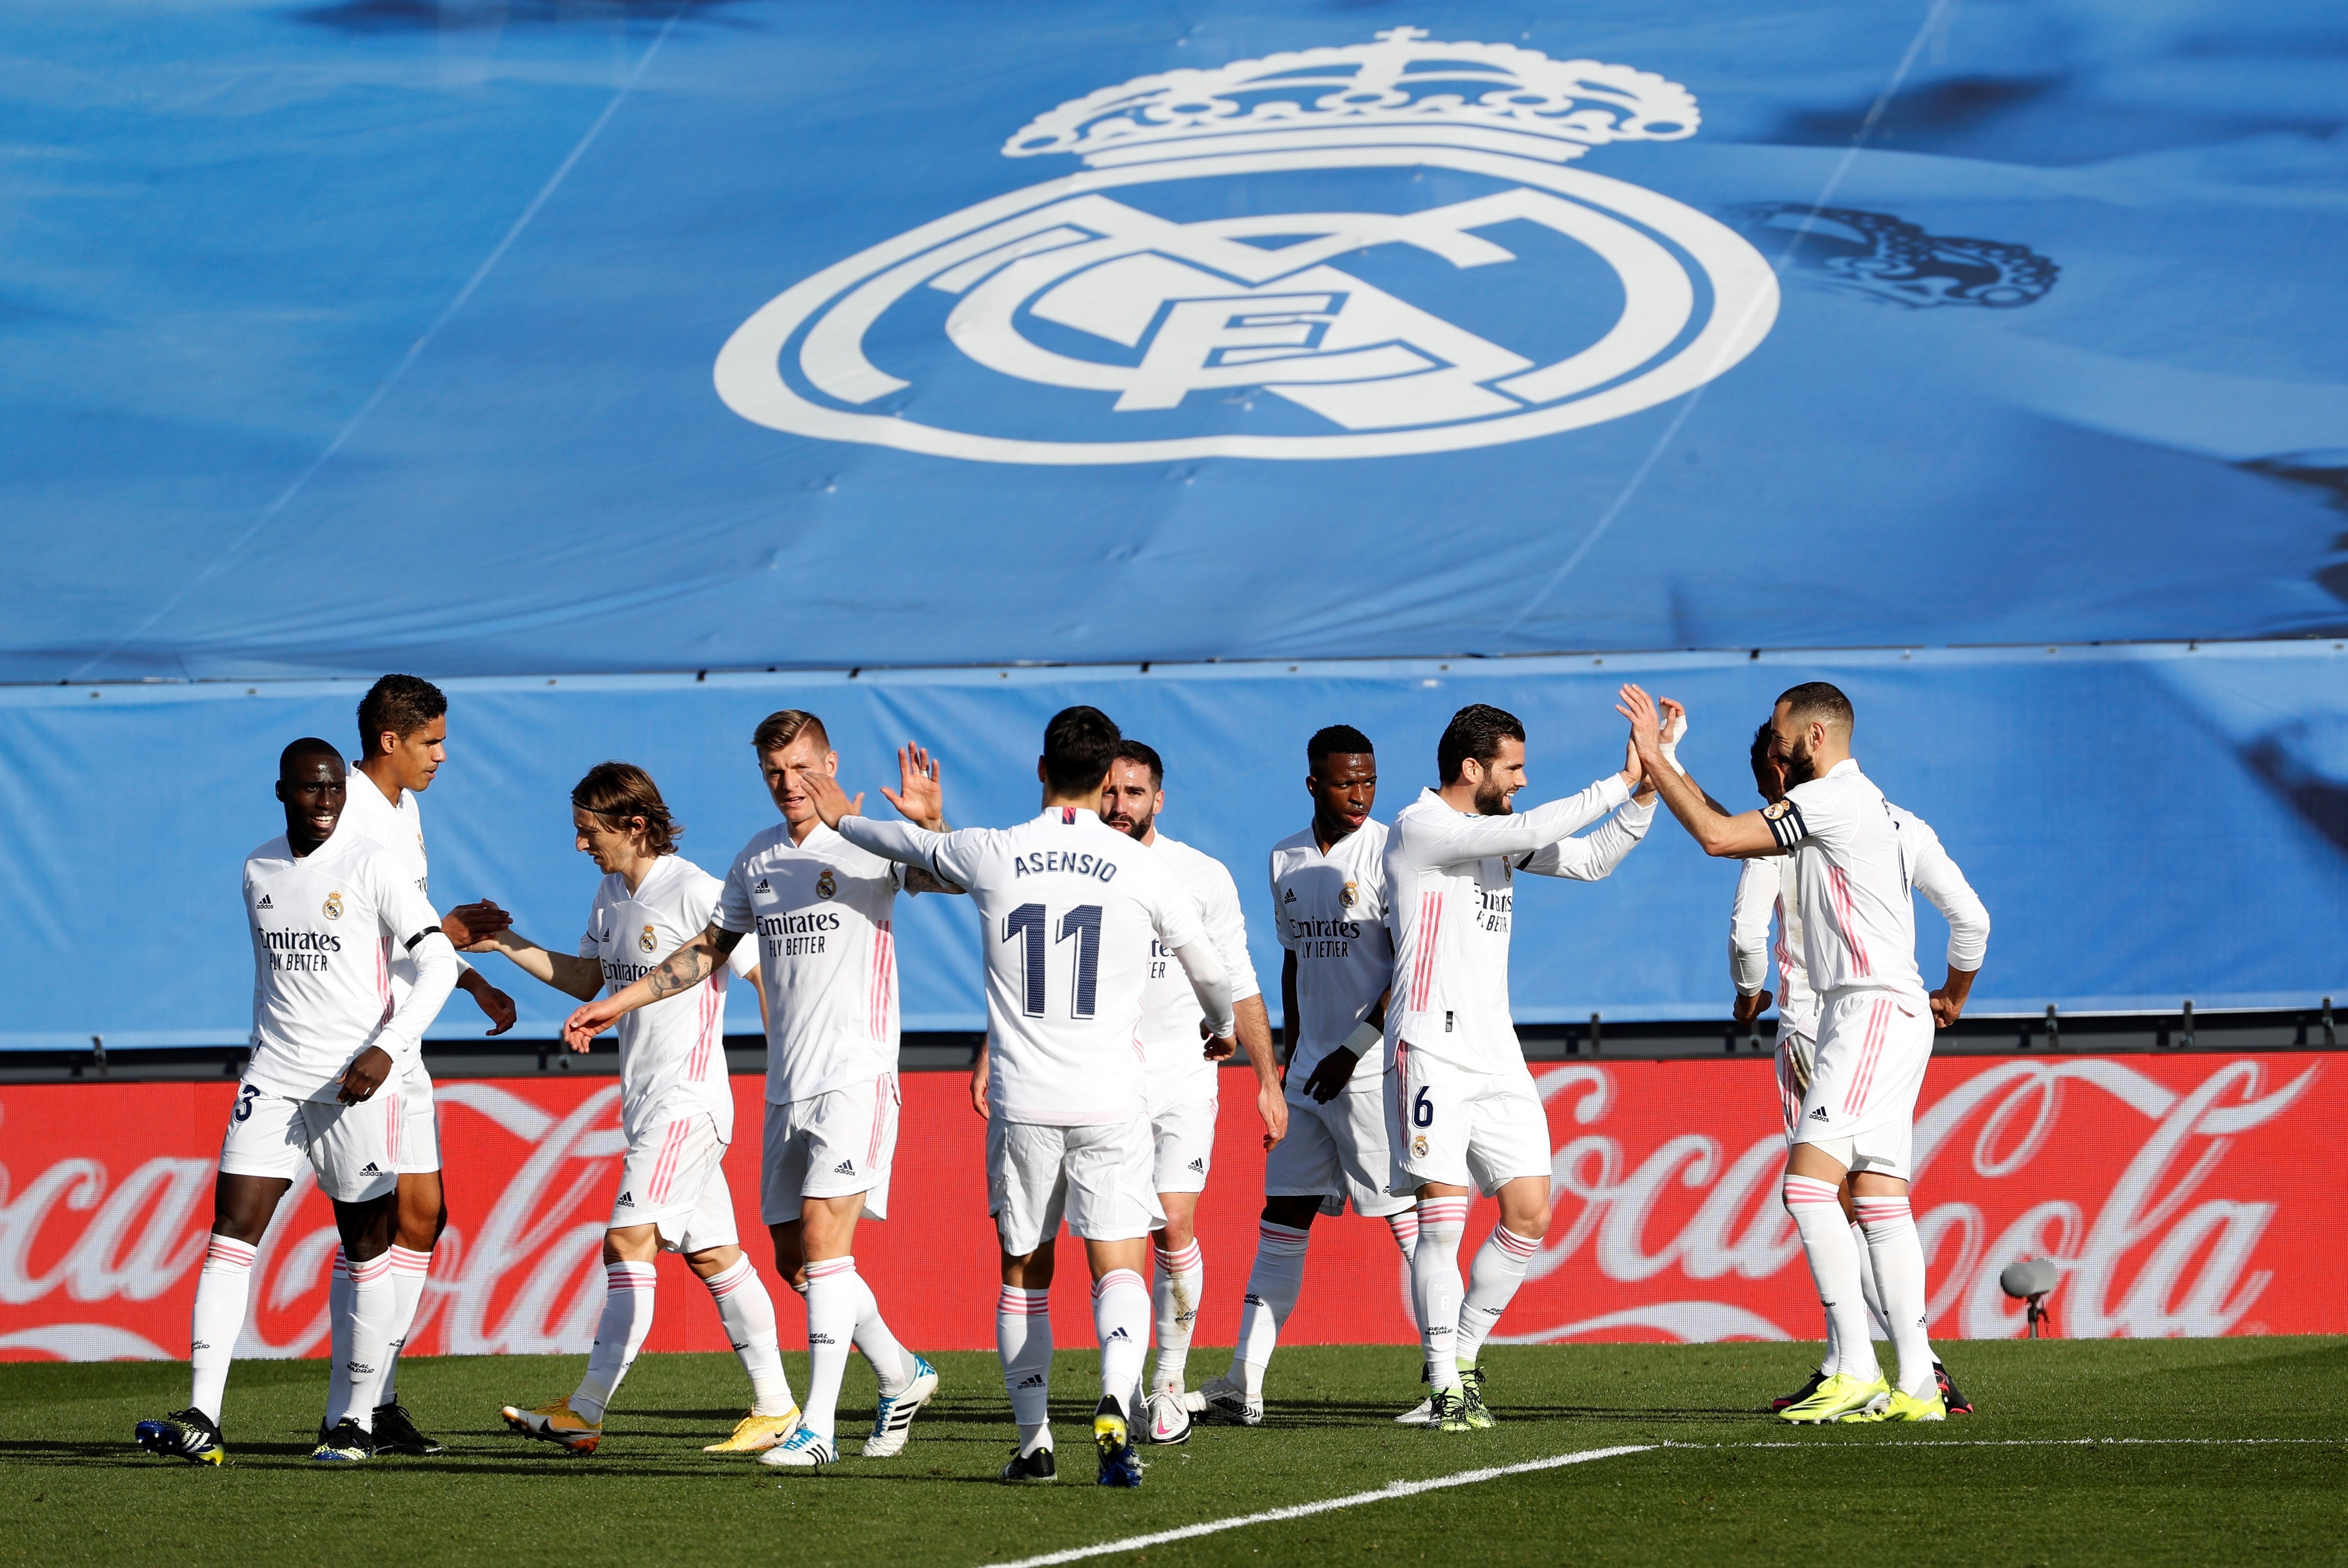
x: 1785, y: 820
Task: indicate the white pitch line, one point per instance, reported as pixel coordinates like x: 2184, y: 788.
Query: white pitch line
x: 2026, y: 1443
x: 1273, y: 1515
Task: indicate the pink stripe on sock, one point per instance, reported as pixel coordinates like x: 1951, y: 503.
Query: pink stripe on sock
x: 1113, y: 1279
x: 229, y: 1251
x: 830, y: 1267
x: 1442, y: 1211
x: 1510, y: 1242
x: 374, y: 1269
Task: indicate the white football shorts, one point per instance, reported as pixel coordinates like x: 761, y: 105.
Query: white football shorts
x: 348, y: 1146
x: 1873, y: 1047
x: 1796, y: 1052
x: 674, y: 1176
x: 1183, y: 1140
x: 1463, y: 1127
x: 419, y: 1125
x: 829, y: 1145
x: 1337, y: 1151
x: 1101, y: 1177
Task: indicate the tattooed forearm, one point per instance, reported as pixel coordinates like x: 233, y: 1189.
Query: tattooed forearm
x: 680, y: 970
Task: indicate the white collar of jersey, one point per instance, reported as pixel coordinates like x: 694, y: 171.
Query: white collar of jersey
x: 344, y: 836
x: 1067, y: 814
x: 359, y: 775
x: 661, y: 867
x: 1848, y: 765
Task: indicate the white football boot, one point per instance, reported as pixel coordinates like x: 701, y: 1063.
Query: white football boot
x: 1227, y: 1404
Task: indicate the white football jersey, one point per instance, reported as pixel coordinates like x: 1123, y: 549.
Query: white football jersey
x: 1067, y: 906
x: 1450, y: 888
x: 323, y: 929
x: 1944, y: 887
x: 399, y: 831
x: 1853, y: 875
x: 1173, y: 1052
x: 824, y: 916
x: 1765, y: 887
x: 1331, y: 911
x: 673, y: 1051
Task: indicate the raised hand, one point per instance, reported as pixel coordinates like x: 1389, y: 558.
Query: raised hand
x: 919, y: 797
x: 1646, y: 723
x: 830, y: 801
x: 1675, y: 722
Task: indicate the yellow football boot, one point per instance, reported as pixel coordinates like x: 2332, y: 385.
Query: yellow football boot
x: 557, y: 1423
x: 1925, y: 1407
x: 755, y: 1434
x: 1839, y: 1396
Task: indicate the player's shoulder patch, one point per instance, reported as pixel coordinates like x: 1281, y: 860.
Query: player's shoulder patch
x: 1775, y: 810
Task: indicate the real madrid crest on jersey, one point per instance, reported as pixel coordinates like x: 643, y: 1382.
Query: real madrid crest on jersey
x: 1776, y: 810
x: 333, y: 906
x: 827, y: 884
x: 646, y: 941
x: 1337, y: 253
x: 1349, y: 895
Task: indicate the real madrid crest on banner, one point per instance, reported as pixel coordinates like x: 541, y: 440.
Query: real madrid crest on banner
x: 1336, y: 253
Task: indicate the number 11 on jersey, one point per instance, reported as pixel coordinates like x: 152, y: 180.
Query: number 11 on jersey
x: 1027, y: 924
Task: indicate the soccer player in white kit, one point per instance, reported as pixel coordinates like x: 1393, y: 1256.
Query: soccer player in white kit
x: 677, y: 1111
x: 1180, y: 1084
x: 1464, y: 1113
x: 1766, y: 886
x: 1069, y: 907
x: 1329, y: 904
x: 1853, y: 872
x: 403, y: 741
x: 326, y: 909
x: 821, y: 910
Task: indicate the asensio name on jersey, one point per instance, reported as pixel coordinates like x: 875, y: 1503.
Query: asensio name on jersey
x: 325, y: 926
x: 1069, y: 907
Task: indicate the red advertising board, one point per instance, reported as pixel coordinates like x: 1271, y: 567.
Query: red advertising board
x: 2181, y: 1194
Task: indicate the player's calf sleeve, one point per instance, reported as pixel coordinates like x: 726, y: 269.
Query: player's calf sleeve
x: 619, y: 1335
x: 1122, y: 1324
x: 1897, y: 1254
x: 1405, y: 1227
x: 338, y: 1332
x: 372, y: 1306
x: 409, y: 1270
x: 749, y: 1314
x: 221, y: 1291
x: 1834, y: 1269
x: 1492, y: 1281
x: 891, y: 1364
x: 1272, y: 1287
x: 1181, y: 1275
x: 1867, y: 1285
x: 1023, y: 1341
x: 831, y: 1306
x: 1435, y: 1289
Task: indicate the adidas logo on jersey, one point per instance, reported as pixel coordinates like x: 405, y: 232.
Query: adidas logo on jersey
x: 264, y: 902
x: 763, y: 886
x: 372, y: 1170
x: 626, y: 1202
x: 1288, y: 896
x: 845, y: 1168
x: 1819, y: 1114
x: 1200, y: 1166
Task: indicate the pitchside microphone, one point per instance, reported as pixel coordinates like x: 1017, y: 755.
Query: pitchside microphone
x: 2032, y: 1280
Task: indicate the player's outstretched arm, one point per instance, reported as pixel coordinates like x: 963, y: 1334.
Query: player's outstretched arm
x: 681, y: 971
x: 1211, y: 984
x: 921, y: 800
x: 566, y: 972
x: 1716, y: 832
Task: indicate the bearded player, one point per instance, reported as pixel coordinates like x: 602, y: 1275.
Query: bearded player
x: 1854, y: 875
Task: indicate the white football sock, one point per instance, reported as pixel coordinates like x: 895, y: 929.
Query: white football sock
x: 372, y: 1303
x: 1434, y: 1288
x: 749, y: 1314
x: 1834, y: 1269
x: 1405, y: 1227
x: 409, y: 1270
x: 1122, y: 1324
x: 1181, y: 1276
x: 1492, y: 1281
x: 619, y: 1335
x: 890, y: 1363
x: 1881, y: 1325
x: 1272, y: 1287
x: 1896, y: 1253
x: 221, y: 1291
x: 1023, y: 1342
x: 831, y: 1306
x: 338, y: 1335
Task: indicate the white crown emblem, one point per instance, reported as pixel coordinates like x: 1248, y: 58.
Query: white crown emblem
x: 1402, y: 90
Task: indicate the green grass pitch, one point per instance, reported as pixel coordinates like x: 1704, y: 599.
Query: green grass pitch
x: 2254, y: 1467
